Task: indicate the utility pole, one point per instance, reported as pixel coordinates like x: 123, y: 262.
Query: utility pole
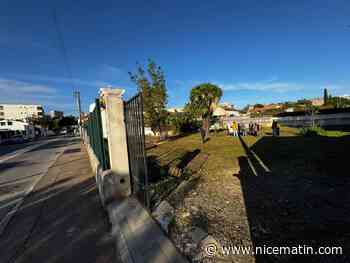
x: 76, y: 95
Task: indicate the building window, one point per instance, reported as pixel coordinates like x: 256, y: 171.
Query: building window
x: 9, y: 123
x: 2, y: 123
x: 1, y: 107
x: 1, y: 114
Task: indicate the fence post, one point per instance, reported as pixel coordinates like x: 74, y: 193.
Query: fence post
x: 111, y: 100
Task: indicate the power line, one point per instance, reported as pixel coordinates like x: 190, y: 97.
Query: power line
x: 63, y: 50
x: 62, y: 45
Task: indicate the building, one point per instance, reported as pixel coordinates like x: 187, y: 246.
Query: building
x: 317, y: 101
x: 265, y: 107
x: 20, y: 111
x: 173, y: 110
x: 17, y: 128
x: 225, y: 110
x: 56, y: 114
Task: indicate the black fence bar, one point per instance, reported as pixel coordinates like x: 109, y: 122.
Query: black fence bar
x: 136, y: 148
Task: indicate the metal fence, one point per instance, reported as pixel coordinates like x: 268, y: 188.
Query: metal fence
x: 93, y: 127
x: 136, y: 147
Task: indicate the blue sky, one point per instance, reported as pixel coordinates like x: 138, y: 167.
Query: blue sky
x: 256, y: 51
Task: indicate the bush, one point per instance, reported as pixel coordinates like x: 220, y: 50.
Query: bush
x: 183, y: 123
x: 312, y: 131
x: 317, y: 131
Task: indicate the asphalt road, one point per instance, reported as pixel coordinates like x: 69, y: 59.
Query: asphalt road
x: 21, y: 169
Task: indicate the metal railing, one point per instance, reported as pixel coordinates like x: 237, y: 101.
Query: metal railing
x: 136, y: 147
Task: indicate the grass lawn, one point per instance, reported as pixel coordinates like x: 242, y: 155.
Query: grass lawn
x: 273, y: 191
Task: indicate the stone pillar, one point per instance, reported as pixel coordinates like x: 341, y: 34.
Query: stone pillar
x: 113, y: 106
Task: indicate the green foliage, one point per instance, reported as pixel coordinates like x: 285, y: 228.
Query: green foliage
x: 54, y: 124
x: 311, y: 131
x: 304, y: 102
x: 183, y: 122
x: 318, y: 131
x: 338, y: 102
x: 67, y: 121
x: 43, y: 122
x: 258, y: 105
x: 151, y: 82
x: 203, y: 99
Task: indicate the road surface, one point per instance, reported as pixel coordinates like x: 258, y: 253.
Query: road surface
x: 20, y: 170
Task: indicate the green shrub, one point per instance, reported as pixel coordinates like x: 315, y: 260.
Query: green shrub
x: 312, y: 131
x: 317, y: 131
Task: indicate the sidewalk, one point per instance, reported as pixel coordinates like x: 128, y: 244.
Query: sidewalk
x: 61, y: 220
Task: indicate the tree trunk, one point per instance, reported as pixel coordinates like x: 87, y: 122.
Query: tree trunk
x: 205, y: 129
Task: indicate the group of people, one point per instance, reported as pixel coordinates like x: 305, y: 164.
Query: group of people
x: 244, y: 128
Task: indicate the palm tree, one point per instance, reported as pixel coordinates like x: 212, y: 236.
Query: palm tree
x: 204, y: 99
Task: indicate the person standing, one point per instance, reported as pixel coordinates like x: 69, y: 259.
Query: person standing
x: 235, y: 128
x: 274, y: 128
x: 244, y: 129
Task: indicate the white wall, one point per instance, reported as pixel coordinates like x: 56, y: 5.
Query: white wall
x: 323, y: 120
x: 26, y: 129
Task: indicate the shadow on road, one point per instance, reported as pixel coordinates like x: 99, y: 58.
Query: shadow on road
x: 61, y: 220
x: 57, y: 144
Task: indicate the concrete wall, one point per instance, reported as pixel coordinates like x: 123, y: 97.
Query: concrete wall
x: 324, y: 120
x: 115, y: 182
x: 264, y: 121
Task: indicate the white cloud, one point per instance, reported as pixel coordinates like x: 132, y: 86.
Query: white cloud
x: 73, y: 82
x: 112, y: 69
x: 14, y: 91
x: 271, y: 85
x: 8, y: 86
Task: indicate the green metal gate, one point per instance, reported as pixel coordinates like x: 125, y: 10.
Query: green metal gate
x: 99, y: 145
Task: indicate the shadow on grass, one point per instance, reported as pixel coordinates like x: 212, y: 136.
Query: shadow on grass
x: 304, y: 200
x: 162, y: 181
x: 152, y: 141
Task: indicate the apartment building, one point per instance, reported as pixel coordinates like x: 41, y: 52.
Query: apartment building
x: 20, y: 111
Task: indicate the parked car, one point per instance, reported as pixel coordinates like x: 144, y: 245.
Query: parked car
x: 63, y: 132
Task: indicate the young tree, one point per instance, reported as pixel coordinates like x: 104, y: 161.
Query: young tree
x: 151, y: 82
x: 203, y: 100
